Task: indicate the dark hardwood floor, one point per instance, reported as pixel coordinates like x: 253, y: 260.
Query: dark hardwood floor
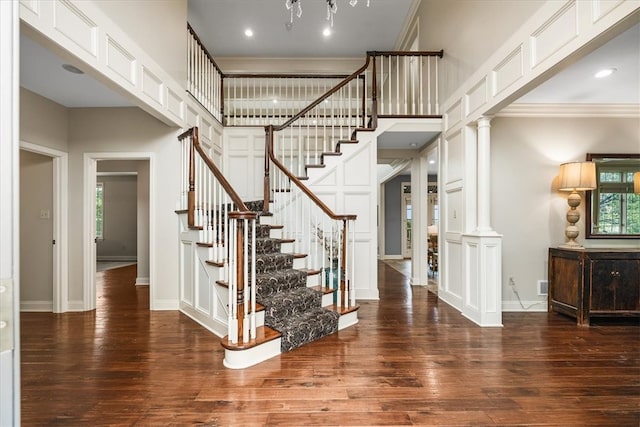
x: 410, y: 361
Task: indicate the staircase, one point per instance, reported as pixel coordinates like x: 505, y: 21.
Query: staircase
x: 275, y: 274
x: 295, y: 307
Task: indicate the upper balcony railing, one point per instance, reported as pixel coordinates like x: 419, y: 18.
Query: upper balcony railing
x: 405, y: 84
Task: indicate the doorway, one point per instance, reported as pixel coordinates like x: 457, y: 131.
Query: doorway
x: 43, y: 230
x: 406, y: 220
x: 122, y: 167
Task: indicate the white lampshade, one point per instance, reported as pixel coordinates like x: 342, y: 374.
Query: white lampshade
x: 579, y: 176
x: 636, y: 182
x: 432, y: 230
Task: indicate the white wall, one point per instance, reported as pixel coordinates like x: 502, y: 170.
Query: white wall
x: 526, y: 209
x: 158, y: 27
x: 36, y: 232
x: 469, y: 31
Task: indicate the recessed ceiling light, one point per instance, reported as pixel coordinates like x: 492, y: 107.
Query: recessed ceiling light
x: 431, y: 162
x: 70, y: 68
x: 326, y: 32
x: 604, y: 73
x: 275, y: 101
x: 248, y: 32
x: 413, y: 144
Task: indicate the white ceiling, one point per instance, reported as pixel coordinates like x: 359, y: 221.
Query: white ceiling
x: 221, y: 25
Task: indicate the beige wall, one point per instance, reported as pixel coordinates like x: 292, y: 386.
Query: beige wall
x: 525, y: 209
x: 141, y: 167
x: 468, y: 33
x: 159, y: 27
x: 42, y: 121
x: 36, y: 231
x: 119, y: 240
x: 94, y: 130
x: 124, y: 130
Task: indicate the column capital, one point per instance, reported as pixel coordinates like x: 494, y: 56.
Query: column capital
x: 484, y: 121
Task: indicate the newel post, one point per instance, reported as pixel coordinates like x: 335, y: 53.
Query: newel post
x: 191, y: 194
x: 344, y: 298
x: 268, y: 144
x: 374, y: 93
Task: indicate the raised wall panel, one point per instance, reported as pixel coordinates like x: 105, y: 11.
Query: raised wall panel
x: 453, y: 281
x: 175, y: 104
x: 357, y: 169
x: 472, y: 271
x: 364, y: 268
x: 453, y: 115
x: 191, y: 116
x: 602, y: 8
x: 203, y: 289
x: 121, y: 61
x: 554, y: 34
x: 329, y: 179
x: 186, y: 283
x: 77, y: 26
x: 152, y: 86
x: 508, y: 71
x: 357, y: 202
x: 476, y: 97
x: 31, y: 5
x: 453, y: 159
x: 454, y: 212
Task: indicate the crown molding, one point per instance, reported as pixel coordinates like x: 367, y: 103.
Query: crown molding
x: 571, y: 110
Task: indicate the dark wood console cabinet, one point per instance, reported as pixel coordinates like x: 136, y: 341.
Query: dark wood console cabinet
x: 585, y: 283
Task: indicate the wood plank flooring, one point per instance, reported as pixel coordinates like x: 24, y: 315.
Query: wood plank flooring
x: 410, y: 361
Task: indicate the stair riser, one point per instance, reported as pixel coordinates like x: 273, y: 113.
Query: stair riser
x: 290, y: 306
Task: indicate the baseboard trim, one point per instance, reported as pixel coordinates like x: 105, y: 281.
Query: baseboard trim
x: 165, y: 305
x: 117, y: 258
x: 76, y: 305
x: 530, y: 306
x: 392, y: 257
x: 36, y: 306
x: 142, y: 281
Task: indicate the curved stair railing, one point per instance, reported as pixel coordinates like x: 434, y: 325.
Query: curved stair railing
x: 227, y: 227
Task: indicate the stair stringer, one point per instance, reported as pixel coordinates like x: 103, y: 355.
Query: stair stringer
x: 201, y: 298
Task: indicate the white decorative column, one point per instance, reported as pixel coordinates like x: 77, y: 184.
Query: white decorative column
x: 484, y: 175
x: 482, y: 248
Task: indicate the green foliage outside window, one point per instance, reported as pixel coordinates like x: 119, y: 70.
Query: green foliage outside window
x: 99, y: 210
x: 619, y: 207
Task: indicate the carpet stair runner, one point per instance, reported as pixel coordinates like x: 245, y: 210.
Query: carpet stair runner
x: 291, y: 308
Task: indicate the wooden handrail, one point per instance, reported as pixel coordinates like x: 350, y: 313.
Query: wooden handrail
x: 315, y: 103
x: 195, y: 36
x: 284, y: 75
x: 269, y: 130
x: 214, y: 169
x: 437, y: 53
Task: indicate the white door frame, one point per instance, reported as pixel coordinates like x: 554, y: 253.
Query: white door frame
x: 89, y: 222
x: 60, y: 222
x: 405, y: 252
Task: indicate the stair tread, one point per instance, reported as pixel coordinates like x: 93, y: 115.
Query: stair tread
x: 323, y: 289
x: 310, y: 271
x: 263, y: 334
x: 343, y: 310
x: 214, y: 263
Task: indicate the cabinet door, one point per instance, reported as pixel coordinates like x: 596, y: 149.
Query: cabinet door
x: 615, y: 285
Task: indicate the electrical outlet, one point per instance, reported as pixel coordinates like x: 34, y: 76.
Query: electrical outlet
x: 543, y: 287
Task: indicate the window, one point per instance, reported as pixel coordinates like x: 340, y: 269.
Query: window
x: 100, y: 210
x: 618, y: 208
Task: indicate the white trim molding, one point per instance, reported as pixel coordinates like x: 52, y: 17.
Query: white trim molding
x: 571, y: 110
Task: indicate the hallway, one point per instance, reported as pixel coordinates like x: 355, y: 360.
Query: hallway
x: 410, y: 361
